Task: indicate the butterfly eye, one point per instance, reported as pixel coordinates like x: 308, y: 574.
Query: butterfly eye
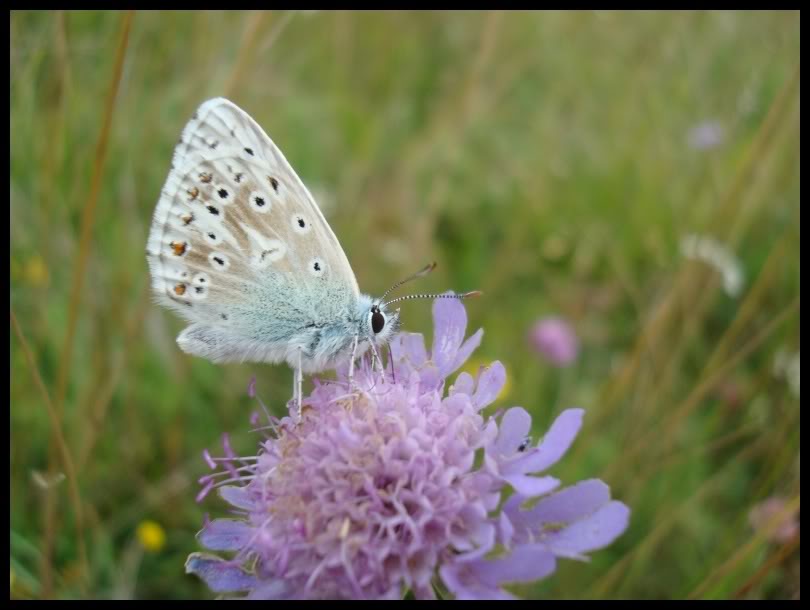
x: 377, y: 322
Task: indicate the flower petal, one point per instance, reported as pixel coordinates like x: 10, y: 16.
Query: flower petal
x: 236, y: 496
x: 592, y: 533
x: 449, y: 324
x: 531, y: 487
x: 505, y: 529
x: 410, y: 346
x: 225, y: 535
x: 430, y: 377
x: 481, y: 579
x: 485, y: 538
x: 463, y: 584
x: 556, y: 442
x: 525, y: 563
x: 464, y: 384
x: 467, y: 348
x: 275, y: 589
x: 218, y: 574
x: 515, y: 425
x: 566, y: 506
x: 490, y: 384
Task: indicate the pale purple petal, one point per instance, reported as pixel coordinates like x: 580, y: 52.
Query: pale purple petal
x: 219, y: 575
x: 462, y: 582
x: 592, y: 533
x: 526, y: 563
x: 275, y: 589
x: 465, y: 384
x: 556, y: 442
x: 485, y: 539
x: 515, y: 425
x: 482, y: 579
x: 531, y: 487
x: 505, y: 529
x: 237, y: 496
x: 574, y: 502
x: 490, y: 384
x: 430, y: 377
x: 566, y: 506
x: 410, y: 346
x: 467, y: 348
x: 226, y: 535
x: 450, y: 322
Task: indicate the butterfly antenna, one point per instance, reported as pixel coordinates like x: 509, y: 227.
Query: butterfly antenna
x: 421, y: 273
x: 464, y: 295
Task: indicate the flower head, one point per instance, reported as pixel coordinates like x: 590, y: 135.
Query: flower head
x: 774, y: 517
x: 151, y: 536
x: 706, y: 135
x: 399, y: 483
x: 554, y: 339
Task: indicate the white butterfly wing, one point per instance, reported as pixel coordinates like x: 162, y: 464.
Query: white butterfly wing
x: 238, y: 246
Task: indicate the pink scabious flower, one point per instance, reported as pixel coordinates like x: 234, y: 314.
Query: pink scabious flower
x: 771, y: 516
x: 555, y: 340
x: 402, y: 483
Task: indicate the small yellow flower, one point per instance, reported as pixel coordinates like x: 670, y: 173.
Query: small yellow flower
x: 151, y: 536
x: 36, y: 273
x: 474, y: 365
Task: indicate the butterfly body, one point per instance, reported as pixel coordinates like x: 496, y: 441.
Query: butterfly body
x: 321, y: 335
x: 239, y: 248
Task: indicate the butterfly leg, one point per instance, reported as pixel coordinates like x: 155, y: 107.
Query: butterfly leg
x: 376, y: 361
x: 299, y: 380
x: 351, y: 364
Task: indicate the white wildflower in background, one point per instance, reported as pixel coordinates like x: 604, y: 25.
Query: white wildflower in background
x: 786, y: 366
x: 712, y: 252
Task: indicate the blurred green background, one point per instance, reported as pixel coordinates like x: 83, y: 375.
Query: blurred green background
x: 556, y: 161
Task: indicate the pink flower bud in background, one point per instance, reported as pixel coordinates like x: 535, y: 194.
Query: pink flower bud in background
x: 771, y: 513
x: 555, y: 340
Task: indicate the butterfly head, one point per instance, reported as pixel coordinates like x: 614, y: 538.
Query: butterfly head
x: 381, y: 325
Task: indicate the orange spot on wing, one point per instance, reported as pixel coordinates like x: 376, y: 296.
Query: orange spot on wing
x: 180, y: 289
x: 192, y: 193
x: 179, y: 248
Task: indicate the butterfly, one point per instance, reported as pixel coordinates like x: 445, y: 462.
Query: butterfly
x: 240, y: 250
